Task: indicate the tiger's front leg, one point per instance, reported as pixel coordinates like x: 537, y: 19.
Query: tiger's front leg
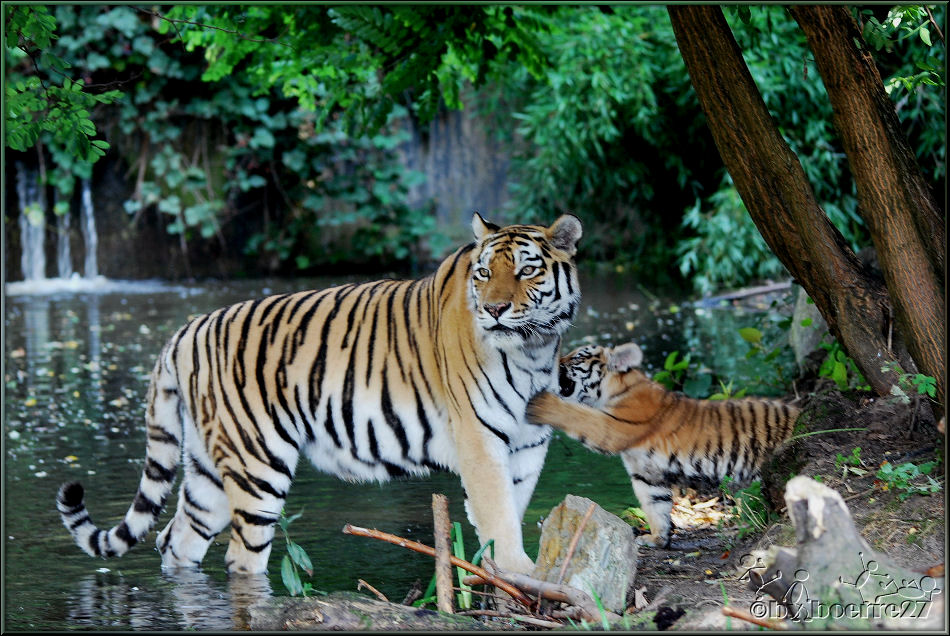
x: 525, y: 462
x: 491, y: 502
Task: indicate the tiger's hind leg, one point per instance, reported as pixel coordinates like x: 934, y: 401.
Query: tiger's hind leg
x: 656, y: 501
x: 256, y: 502
x: 202, y: 512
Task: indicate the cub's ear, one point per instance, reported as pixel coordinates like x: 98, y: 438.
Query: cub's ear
x: 481, y: 227
x: 625, y: 357
x: 565, y: 232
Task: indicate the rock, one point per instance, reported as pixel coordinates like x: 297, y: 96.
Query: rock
x: 350, y: 611
x: 605, y: 559
x: 804, y: 340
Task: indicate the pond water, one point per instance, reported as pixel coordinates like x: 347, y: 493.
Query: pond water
x: 75, y: 376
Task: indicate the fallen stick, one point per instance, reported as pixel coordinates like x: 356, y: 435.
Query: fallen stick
x: 443, y: 550
x: 510, y: 589
x: 744, y: 293
x: 360, y: 584
x: 749, y: 618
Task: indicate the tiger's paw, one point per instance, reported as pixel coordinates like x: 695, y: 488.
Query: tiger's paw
x: 653, y: 541
x: 520, y: 563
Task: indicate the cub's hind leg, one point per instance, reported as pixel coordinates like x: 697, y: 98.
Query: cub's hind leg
x: 655, y: 498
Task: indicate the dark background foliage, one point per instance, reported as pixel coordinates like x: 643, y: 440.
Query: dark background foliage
x: 281, y: 137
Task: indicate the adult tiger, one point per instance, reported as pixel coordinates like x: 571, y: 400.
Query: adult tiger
x: 663, y: 438
x: 369, y: 381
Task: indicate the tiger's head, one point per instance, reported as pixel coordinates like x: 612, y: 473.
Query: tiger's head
x: 524, y: 285
x: 594, y: 375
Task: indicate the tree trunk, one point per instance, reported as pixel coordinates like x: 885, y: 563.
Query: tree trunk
x: 832, y: 579
x: 895, y: 200
x: 780, y: 200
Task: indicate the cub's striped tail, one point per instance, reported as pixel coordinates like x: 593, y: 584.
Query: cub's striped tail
x: 163, y: 453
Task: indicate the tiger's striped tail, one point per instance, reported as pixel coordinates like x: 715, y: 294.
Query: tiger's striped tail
x: 162, y: 456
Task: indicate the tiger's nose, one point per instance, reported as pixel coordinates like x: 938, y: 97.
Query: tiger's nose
x: 496, y: 309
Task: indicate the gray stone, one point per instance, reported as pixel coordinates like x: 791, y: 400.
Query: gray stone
x: 804, y: 340
x: 605, y: 559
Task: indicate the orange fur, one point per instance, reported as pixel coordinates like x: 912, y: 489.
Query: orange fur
x: 663, y: 437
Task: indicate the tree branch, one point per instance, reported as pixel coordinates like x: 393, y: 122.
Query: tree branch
x: 512, y: 591
x: 930, y: 17
x: 176, y: 21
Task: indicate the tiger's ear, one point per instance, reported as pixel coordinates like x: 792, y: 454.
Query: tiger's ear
x: 565, y: 232
x: 625, y: 357
x: 481, y: 227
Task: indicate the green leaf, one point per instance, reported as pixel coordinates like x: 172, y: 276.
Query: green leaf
x: 668, y: 363
x: 751, y: 335
x: 925, y: 35
x: 840, y: 375
x: 300, y: 557
x: 290, y: 577
x: 698, y: 386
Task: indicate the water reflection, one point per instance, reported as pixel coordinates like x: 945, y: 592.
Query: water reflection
x: 190, y: 600
x: 204, y: 603
x: 36, y: 314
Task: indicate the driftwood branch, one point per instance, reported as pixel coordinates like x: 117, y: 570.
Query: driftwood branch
x: 507, y: 587
x: 528, y: 620
x: 586, y: 607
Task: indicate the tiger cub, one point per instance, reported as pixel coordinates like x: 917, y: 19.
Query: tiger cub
x: 369, y: 381
x: 662, y: 437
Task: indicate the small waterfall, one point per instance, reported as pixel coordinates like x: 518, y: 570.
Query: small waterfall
x: 64, y: 257
x: 89, y: 235
x: 32, y: 223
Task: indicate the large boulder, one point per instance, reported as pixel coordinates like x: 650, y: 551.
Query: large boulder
x: 604, y: 561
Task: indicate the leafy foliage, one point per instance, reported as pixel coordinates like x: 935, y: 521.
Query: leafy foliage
x: 840, y: 368
x: 602, y: 132
x: 44, y: 105
x: 727, y: 249
x: 750, y: 508
x: 908, y: 478
x: 296, y: 557
x: 256, y: 124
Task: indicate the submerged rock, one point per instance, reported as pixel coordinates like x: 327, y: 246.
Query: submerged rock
x: 605, y: 559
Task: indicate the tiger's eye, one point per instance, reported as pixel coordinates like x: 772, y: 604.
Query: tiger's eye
x: 528, y: 270
x: 483, y: 273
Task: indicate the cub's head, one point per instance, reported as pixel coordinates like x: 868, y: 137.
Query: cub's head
x: 523, y: 280
x: 595, y: 375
